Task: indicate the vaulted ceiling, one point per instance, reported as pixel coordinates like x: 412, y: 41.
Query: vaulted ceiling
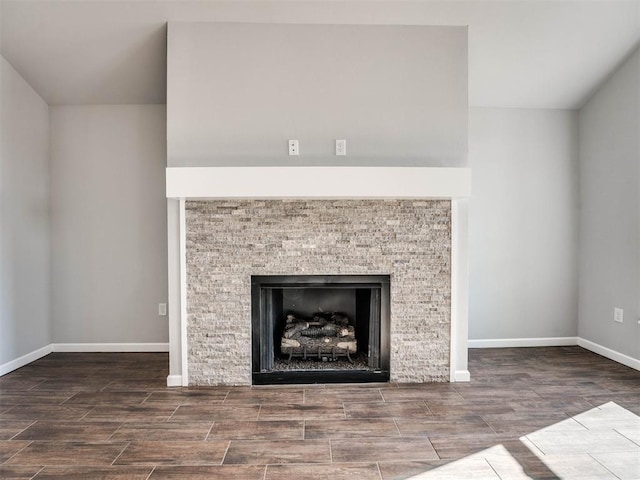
x: 526, y: 54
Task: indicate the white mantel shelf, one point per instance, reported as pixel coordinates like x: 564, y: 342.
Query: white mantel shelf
x: 318, y: 182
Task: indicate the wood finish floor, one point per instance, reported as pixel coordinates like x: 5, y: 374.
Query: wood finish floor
x: 110, y: 416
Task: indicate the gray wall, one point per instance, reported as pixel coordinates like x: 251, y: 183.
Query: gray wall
x: 237, y: 92
x: 24, y: 218
x: 609, y: 139
x: 523, y: 231
x: 109, y: 234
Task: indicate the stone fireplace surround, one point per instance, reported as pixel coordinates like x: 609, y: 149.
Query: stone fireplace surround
x: 407, y: 222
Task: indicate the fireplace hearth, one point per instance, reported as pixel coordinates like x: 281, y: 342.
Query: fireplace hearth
x: 320, y: 328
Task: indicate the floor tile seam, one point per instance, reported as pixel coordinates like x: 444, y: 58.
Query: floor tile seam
x: 488, y: 424
x: 603, y: 465
x: 9, y: 410
x: 426, y: 404
x: 25, y: 428
x: 110, y: 439
x: 330, y: 453
x: 285, y: 464
x: 174, y: 412
x: 535, y: 445
x: 127, y: 444
x: 38, y: 472
x: 94, y: 407
x: 144, y: 399
x: 108, y: 383
x: 6, y: 462
x: 224, y: 455
x: 494, y: 470
x: 37, y: 384
x: 624, y: 436
x: 153, y: 469
x: 64, y: 403
x: 455, y: 389
x: 206, y: 437
x: 379, y: 470
x: 359, y: 437
x: 395, y: 423
x: 428, y: 438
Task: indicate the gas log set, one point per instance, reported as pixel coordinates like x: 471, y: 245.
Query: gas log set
x: 326, y: 337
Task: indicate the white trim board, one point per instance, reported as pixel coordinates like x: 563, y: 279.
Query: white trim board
x: 110, y: 347
x: 318, y: 182
x: 557, y: 342
x: 610, y: 354
x: 523, y: 342
x: 80, y: 347
x: 174, y: 380
x: 25, y: 360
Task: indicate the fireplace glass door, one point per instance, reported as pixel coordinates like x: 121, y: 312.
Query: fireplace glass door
x: 320, y: 329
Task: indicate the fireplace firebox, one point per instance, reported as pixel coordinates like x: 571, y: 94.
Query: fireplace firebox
x: 320, y: 328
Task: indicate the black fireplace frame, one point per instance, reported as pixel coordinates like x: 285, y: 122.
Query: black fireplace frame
x: 259, y: 328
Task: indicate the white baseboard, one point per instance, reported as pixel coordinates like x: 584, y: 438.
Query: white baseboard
x: 523, y: 342
x: 610, y: 354
x: 110, y: 347
x: 174, y: 381
x: 25, y: 359
x: 81, y: 347
x: 462, y: 376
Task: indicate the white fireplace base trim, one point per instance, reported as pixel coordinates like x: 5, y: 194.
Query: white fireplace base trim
x: 461, y: 376
x: 174, y: 381
x: 459, y: 290
x: 183, y: 296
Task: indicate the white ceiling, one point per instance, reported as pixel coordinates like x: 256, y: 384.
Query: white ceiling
x: 527, y: 54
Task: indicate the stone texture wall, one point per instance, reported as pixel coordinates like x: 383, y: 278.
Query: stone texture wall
x: 228, y: 241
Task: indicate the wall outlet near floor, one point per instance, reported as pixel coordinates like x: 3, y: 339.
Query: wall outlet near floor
x: 618, y: 315
x: 341, y: 147
x: 162, y: 309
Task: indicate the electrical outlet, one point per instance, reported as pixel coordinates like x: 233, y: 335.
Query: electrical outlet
x: 162, y: 309
x: 618, y: 315
x: 341, y: 147
x: 294, y: 147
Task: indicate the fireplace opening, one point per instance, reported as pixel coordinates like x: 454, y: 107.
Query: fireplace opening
x: 320, y: 329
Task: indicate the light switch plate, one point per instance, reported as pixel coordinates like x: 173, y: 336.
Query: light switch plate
x: 618, y: 315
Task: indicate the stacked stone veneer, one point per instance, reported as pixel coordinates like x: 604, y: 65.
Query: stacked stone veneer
x: 228, y: 241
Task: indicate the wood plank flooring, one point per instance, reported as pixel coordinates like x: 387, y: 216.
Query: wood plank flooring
x: 543, y: 413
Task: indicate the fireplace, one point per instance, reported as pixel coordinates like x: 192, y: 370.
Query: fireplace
x: 320, y: 328
x: 229, y: 226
